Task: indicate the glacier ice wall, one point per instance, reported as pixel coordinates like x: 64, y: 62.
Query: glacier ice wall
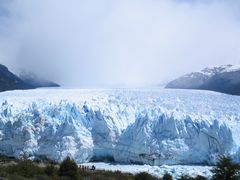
x: 148, y: 126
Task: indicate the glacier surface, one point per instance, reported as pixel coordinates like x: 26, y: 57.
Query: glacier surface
x: 145, y: 126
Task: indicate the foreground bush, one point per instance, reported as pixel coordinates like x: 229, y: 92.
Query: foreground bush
x: 200, y: 178
x: 167, y: 176
x: 144, y: 176
x: 50, y: 170
x: 24, y: 168
x: 68, y: 168
x: 186, y: 177
x: 226, y: 169
x: 12, y: 169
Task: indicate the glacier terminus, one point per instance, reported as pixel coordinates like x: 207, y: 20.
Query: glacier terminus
x: 140, y: 126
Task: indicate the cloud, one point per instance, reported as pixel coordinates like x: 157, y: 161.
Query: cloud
x: 117, y: 43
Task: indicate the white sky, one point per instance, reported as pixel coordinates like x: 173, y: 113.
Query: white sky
x: 118, y: 43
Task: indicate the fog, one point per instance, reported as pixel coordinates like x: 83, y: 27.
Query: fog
x: 96, y: 43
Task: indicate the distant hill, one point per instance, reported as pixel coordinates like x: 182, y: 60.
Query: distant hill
x: 36, y: 82
x: 10, y: 81
x: 225, y: 79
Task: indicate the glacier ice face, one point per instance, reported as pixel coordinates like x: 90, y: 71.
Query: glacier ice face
x: 165, y: 140
x: 149, y: 126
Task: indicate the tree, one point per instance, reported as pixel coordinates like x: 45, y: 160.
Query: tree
x: 144, y: 176
x: 167, y: 176
x: 187, y: 177
x: 199, y: 177
x: 68, y: 168
x: 50, y: 170
x: 225, y: 169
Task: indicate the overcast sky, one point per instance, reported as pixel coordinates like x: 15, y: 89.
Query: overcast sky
x: 95, y: 43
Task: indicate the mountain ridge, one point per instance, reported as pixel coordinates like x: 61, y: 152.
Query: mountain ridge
x: 10, y: 81
x: 224, y: 79
x: 36, y: 82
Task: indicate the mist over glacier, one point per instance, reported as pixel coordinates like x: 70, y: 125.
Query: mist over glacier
x: 117, y: 43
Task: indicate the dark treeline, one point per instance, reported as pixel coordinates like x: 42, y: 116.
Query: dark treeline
x: 13, y: 169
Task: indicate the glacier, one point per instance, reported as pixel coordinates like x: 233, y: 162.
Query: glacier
x: 176, y: 171
x: 140, y: 126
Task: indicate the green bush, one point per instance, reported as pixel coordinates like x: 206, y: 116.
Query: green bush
x: 15, y: 177
x: 187, y: 177
x: 68, y: 168
x: 105, y: 175
x: 167, y: 176
x: 50, y: 170
x: 25, y: 168
x: 144, y: 176
x: 184, y: 177
x: 40, y: 177
x: 200, y: 178
x: 226, y: 169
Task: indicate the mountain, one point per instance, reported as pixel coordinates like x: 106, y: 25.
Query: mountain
x: 36, y: 82
x: 225, y: 79
x: 147, y: 126
x: 10, y: 81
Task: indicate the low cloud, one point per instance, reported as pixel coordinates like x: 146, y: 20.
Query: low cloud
x: 117, y: 43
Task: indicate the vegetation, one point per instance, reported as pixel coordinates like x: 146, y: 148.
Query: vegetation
x: 50, y: 170
x: 226, y: 169
x: 167, y: 176
x: 144, y: 176
x: 21, y: 170
x: 68, y: 168
x: 13, y: 169
x: 186, y: 177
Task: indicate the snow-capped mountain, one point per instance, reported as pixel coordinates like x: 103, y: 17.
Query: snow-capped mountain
x: 126, y: 125
x: 224, y: 79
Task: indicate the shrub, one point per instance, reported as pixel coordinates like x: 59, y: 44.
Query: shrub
x: 14, y: 177
x: 185, y: 177
x: 50, y: 170
x: 200, y: 178
x: 40, y: 177
x: 68, y: 168
x: 25, y: 168
x: 167, y: 176
x: 225, y: 169
x: 144, y: 176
